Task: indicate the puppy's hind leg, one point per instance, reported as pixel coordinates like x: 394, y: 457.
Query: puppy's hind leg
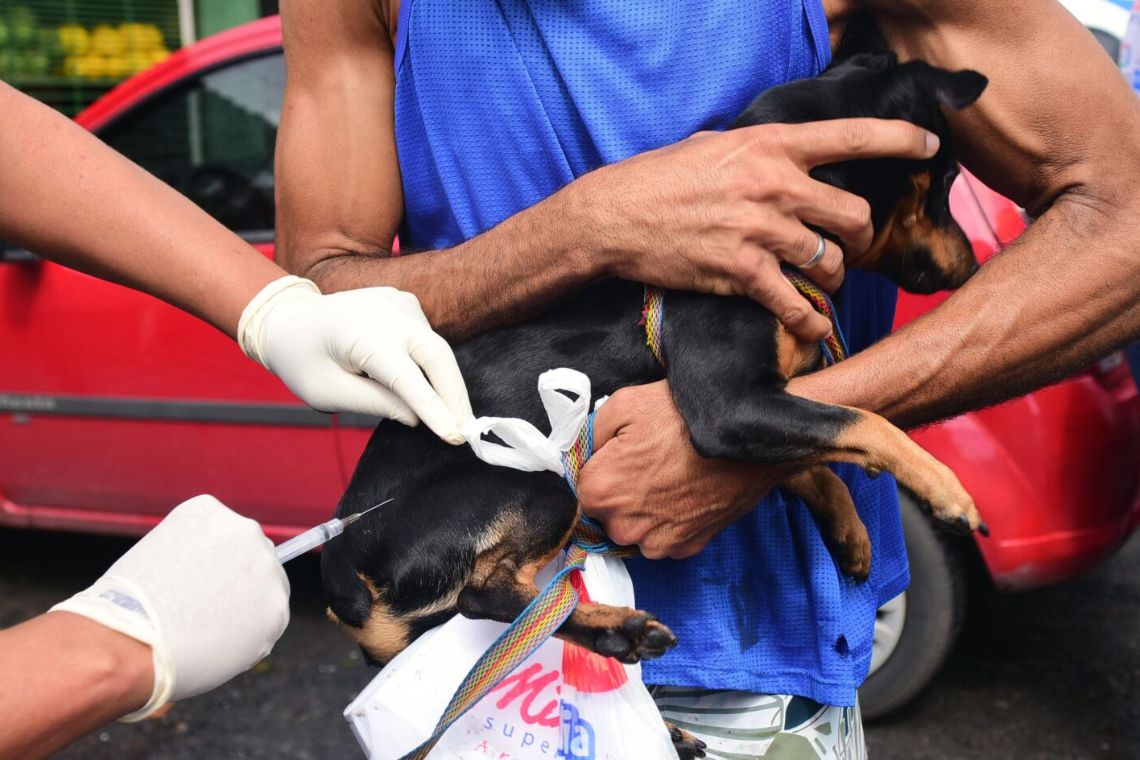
x: 842, y: 530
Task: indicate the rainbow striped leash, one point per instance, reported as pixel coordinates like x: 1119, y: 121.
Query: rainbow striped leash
x: 832, y: 349
x: 653, y: 319
x: 543, y: 616
x: 588, y: 534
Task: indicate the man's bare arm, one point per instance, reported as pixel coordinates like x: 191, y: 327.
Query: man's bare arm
x: 339, y: 191
x: 717, y: 212
x: 1058, y: 131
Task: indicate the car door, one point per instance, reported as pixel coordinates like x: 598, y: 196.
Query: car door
x: 115, y: 406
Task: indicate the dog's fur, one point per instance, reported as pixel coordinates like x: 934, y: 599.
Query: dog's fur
x: 463, y: 536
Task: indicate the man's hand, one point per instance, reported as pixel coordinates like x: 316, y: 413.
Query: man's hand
x: 369, y: 351
x: 720, y: 212
x: 649, y: 488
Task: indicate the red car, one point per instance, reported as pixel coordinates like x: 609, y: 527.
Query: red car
x: 115, y: 406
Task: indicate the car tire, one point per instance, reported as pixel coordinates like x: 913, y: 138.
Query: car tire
x: 915, y: 632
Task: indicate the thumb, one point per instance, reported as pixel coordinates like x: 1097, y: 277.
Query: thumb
x: 600, y: 477
x: 588, y: 489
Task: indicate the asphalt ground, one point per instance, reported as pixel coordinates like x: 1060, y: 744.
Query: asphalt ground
x: 1053, y: 673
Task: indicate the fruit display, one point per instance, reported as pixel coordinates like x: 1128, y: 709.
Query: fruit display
x: 31, y: 48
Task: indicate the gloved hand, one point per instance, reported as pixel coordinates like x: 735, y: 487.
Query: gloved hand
x: 322, y: 346
x: 204, y: 589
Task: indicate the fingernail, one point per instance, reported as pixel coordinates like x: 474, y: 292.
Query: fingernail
x: 455, y: 438
x: 932, y: 143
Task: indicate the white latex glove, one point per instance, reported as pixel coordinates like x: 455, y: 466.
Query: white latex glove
x: 204, y: 589
x: 364, y: 351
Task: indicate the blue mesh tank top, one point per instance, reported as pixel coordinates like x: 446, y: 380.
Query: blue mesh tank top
x: 498, y: 105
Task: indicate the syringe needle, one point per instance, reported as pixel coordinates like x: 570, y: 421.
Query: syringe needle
x: 354, y: 517
x: 314, y: 537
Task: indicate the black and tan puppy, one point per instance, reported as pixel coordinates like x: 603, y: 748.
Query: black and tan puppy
x: 463, y: 536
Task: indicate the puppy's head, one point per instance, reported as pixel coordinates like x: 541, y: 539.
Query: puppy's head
x: 917, y: 243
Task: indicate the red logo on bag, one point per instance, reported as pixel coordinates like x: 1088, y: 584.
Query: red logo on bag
x: 587, y: 671
x: 528, y: 684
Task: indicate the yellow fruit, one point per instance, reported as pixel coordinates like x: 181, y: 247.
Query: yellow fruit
x: 71, y: 66
x: 157, y: 56
x: 135, y: 36
x: 137, y: 61
x: 153, y: 37
x: 74, y: 39
x: 106, y: 40
x: 92, y: 66
x: 116, y: 66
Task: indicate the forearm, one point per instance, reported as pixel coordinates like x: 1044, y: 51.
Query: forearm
x: 340, y: 195
x: 63, y: 676
x: 678, y: 217
x: 505, y: 275
x: 68, y: 197
x: 1064, y: 295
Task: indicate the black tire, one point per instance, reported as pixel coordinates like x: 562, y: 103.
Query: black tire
x: 935, y: 611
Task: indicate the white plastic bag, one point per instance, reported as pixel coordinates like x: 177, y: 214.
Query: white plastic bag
x: 526, y: 448
x: 562, y: 702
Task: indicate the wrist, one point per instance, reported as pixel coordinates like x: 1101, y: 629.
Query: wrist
x: 256, y: 272
x: 253, y: 317
x: 131, y: 672
x: 578, y: 210
x: 120, y: 669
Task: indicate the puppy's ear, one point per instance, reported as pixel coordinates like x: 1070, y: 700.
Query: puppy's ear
x: 958, y: 89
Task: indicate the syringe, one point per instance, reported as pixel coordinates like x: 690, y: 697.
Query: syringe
x: 314, y: 537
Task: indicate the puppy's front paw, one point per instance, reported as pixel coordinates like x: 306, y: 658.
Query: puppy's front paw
x: 639, y: 637
x: 953, y: 506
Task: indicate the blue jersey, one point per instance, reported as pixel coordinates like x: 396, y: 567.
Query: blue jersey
x: 498, y: 105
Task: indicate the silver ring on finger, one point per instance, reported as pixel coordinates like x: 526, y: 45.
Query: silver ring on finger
x: 818, y: 255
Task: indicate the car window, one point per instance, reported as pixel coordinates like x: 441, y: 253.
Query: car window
x: 212, y: 138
